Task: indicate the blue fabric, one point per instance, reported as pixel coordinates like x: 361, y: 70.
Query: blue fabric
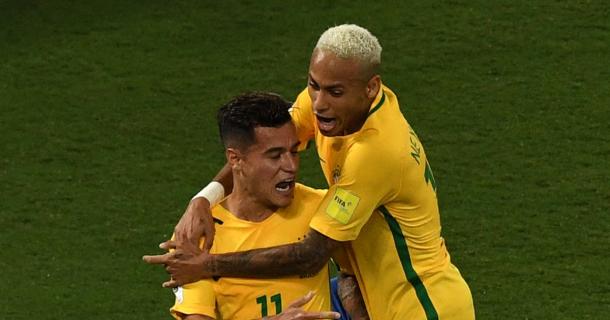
x: 335, y: 301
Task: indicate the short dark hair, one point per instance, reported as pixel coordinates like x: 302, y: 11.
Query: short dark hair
x: 238, y: 118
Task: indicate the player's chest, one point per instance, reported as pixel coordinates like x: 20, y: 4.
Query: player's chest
x: 238, y: 298
x: 332, y: 155
x: 236, y: 237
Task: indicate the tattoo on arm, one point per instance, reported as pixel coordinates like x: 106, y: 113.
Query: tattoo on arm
x: 351, y: 297
x: 304, y: 258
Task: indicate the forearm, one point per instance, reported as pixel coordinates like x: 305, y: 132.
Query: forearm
x: 216, y: 190
x: 225, y: 177
x: 351, y: 297
x: 197, y: 221
x: 208, y: 198
x: 303, y: 258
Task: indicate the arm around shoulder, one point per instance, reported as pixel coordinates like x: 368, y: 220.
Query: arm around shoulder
x: 303, y: 258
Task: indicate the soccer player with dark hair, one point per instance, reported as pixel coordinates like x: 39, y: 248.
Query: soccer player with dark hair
x: 266, y: 208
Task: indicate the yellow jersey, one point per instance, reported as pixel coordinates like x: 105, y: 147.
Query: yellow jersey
x: 239, y: 298
x: 382, y: 198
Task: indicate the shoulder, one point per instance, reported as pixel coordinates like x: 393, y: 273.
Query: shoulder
x: 220, y: 214
x: 304, y: 204
x: 373, y: 147
x: 303, y: 100
x: 385, y: 133
x: 305, y: 194
x: 387, y: 115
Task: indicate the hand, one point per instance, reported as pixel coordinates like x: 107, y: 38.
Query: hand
x: 186, y: 264
x: 294, y: 311
x: 195, y: 223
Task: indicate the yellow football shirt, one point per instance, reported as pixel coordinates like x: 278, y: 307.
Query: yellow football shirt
x: 238, y: 298
x: 382, y: 198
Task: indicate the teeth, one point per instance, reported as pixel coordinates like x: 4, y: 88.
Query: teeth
x: 323, y: 119
x: 326, y: 126
x: 284, y: 185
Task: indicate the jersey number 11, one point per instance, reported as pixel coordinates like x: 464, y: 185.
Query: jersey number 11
x: 276, y: 299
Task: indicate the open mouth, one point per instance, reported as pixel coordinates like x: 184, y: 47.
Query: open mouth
x: 325, y: 123
x: 285, y: 185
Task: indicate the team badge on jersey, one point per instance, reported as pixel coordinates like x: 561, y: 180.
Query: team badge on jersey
x: 336, y: 174
x: 342, y: 205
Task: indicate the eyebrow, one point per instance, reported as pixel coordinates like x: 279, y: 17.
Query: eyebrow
x: 331, y: 87
x: 281, y: 149
x: 274, y: 150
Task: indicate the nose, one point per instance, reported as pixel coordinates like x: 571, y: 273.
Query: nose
x: 318, y: 99
x: 290, y: 162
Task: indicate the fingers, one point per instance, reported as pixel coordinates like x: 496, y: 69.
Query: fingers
x: 182, y: 228
x: 183, y: 237
x: 322, y: 315
x: 312, y: 315
x: 167, y: 245
x: 209, y: 238
x: 197, y: 222
x: 209, y: 229
x: 301, y: 301
x: 189, y: 227
x: 171, y: 284
x: 158, y: 259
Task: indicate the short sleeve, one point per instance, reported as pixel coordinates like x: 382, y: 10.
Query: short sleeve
x: 195, y: 298
x: 302, y: 117
x: 364, y: 183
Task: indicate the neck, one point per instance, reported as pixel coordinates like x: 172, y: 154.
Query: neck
x: 362, y: 119
x: 244, y: 205
x: 357, y: 126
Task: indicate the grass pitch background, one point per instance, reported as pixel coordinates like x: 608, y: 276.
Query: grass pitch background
x: 107, y: 129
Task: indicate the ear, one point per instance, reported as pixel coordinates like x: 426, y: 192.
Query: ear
x: 234, y: 157
x: 372, y: 87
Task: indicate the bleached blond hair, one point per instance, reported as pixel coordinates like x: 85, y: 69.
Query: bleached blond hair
x: 351, y: 41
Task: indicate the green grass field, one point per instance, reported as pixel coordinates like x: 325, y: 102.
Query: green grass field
x: 107, y: 129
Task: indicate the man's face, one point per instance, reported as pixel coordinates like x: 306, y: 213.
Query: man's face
x: 269, y: 166
x: 340, y: 92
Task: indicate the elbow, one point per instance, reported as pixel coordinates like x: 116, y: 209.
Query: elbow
x: 311, y: 268
x: 310, y: 265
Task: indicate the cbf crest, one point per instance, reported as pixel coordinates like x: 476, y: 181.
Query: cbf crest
x: 336, y: 174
